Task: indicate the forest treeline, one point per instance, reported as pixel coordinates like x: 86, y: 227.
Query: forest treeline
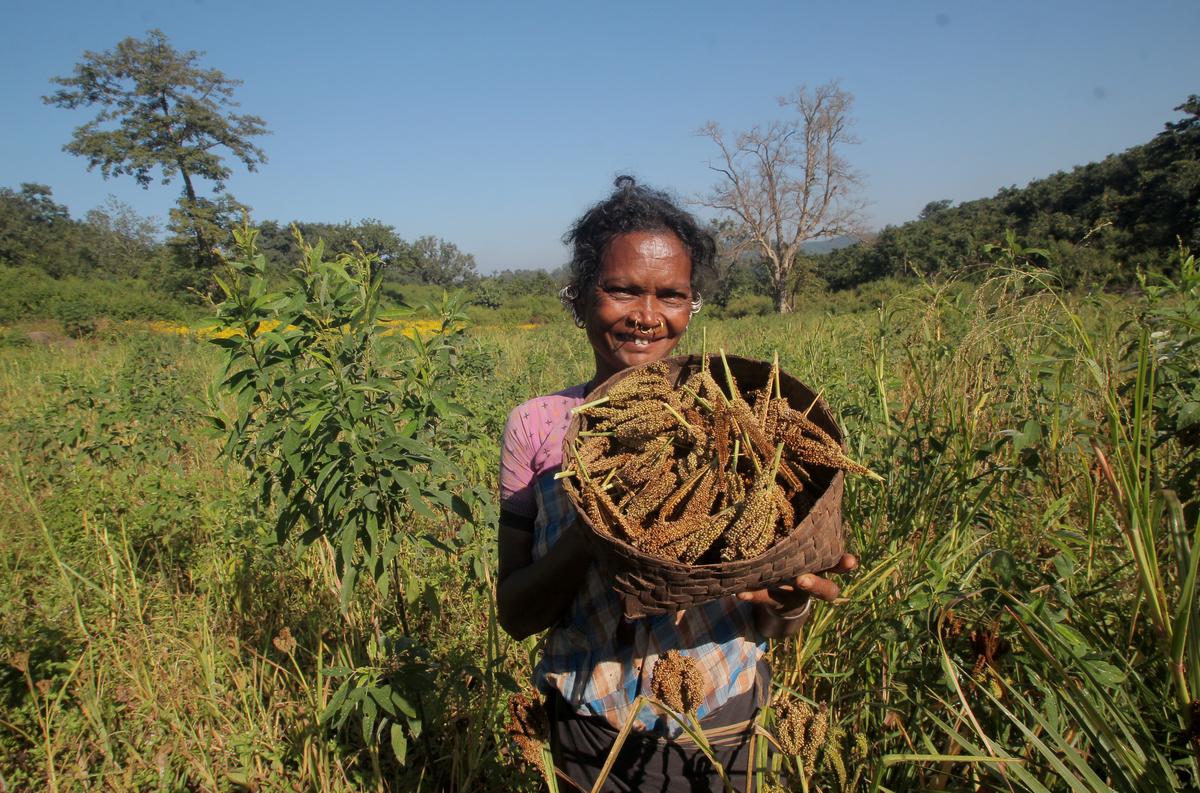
x: 1097, y: 223
x: 113, y: 241
x: 1097, y: 226
x: 115, y: 263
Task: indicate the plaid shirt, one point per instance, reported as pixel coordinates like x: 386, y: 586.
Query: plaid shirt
x: 600, y: 662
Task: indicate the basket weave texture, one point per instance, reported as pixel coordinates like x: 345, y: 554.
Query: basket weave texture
x: 652, y: 585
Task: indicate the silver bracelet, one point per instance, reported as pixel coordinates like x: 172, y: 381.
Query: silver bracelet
x: 801, y: 614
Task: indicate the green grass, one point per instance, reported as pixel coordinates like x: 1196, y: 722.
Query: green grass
x: 1005, y: 629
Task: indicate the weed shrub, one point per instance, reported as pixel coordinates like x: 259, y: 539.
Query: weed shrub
x: 351, y: 440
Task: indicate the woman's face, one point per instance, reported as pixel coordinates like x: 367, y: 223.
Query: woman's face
x: 641, y: 303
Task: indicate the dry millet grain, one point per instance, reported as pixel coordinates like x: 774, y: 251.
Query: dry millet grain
x: 677, y: 682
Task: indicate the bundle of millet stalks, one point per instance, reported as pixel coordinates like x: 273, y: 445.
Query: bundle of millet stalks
x: 698, y: 473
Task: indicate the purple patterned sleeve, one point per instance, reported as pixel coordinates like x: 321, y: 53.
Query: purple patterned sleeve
x: 516, y: 465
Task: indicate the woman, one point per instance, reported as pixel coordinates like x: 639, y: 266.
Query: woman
x: 636, y: 257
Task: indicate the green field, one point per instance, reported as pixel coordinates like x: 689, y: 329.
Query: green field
x: 1022, y: 618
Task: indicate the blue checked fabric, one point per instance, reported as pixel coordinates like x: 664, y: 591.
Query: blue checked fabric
x: 599, y: 662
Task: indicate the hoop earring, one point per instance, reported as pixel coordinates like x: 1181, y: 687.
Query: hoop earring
x: 569, y: 297
x: 697, y: 304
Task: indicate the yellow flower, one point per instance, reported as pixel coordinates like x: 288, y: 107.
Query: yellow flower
x: 410, y: 328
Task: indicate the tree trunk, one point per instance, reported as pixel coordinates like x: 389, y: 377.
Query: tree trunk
x: 783, y: 298
x: 204, y: 262
x: 189, y: 192
x: 190, y: 210
x: 779, y: 269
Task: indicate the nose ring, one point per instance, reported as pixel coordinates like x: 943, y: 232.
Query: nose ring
x: 647, y: 330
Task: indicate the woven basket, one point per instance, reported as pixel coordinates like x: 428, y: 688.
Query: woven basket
x: 651, y: 585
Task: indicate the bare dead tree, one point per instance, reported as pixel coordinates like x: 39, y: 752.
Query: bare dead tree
x: 787, y: 183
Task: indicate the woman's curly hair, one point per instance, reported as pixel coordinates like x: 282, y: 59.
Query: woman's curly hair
x: 631, y: 207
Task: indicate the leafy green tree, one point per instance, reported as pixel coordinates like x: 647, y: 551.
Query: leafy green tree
x: 376, y: 238
x: 37, y: 231
x: 933, y: 207
x: 436, y: 261
x: 161, y: 113
x: 1177, y: 183
x: 119, y: 241
x: 519, y: 283
x: 389, y: 252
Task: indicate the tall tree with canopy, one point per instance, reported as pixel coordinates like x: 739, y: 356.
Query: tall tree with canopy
x: 161, y: 112
x: 787, y: 182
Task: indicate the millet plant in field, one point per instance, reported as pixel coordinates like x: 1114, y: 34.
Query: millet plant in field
x: 276, y: 618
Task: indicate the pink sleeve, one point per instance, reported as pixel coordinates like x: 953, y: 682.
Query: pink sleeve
x: 516, y: 464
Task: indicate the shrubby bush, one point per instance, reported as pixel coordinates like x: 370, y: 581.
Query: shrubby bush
x: 867, y: 296
x: 28, y: 293
x: 746, y: 305
x: 530, y: 309
x: 77, y: 320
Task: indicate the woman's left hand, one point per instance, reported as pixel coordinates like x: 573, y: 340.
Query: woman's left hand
x: 792, y: 595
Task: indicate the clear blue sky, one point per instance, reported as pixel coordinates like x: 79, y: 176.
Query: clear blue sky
x: 494, y: 124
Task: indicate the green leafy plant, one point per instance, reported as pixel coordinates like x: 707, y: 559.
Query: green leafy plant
x: 336, y: 432
x: 343, y: 430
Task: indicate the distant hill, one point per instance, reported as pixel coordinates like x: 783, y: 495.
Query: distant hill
x: 1098, y: 222
x: 818, y: 247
